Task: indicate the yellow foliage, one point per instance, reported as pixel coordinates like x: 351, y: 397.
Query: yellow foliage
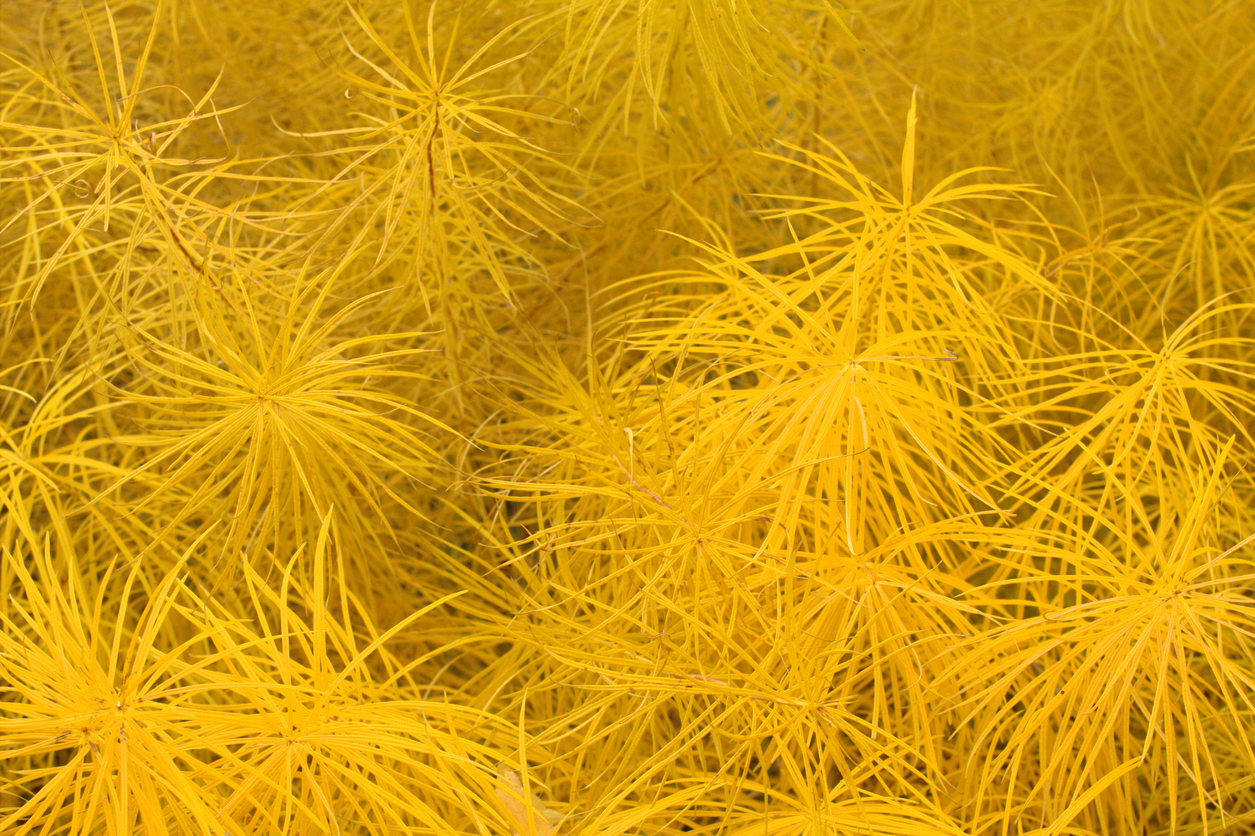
x: 631, y: 417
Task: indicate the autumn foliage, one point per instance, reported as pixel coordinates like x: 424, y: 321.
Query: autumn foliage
x: 571, y: 418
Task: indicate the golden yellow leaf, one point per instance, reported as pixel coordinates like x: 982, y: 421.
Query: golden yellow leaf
x: 511, y: 793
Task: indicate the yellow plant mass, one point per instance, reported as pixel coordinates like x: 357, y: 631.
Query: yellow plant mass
x: 627, y: 417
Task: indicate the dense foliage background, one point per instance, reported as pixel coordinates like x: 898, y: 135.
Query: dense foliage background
x: 754, y: 417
